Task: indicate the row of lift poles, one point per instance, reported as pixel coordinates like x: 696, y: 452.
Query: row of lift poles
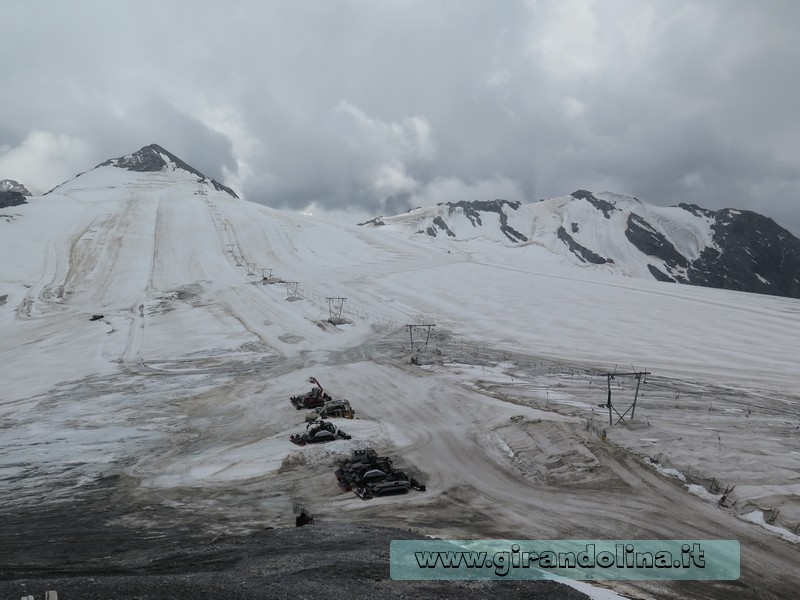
x: 420, y: 334
x: 423, y: 334
x: 335, y: 305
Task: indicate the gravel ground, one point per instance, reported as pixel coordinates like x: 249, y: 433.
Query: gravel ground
x: 331, y: 560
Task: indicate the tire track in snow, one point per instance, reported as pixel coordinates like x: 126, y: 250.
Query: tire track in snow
x: 444, y: 432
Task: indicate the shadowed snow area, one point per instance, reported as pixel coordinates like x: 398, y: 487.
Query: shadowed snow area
x: 148, y: 354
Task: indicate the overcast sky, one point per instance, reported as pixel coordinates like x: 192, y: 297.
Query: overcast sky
x: 376, y: 106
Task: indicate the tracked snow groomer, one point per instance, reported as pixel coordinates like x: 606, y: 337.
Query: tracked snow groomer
x: 371, y: 476
x: 313, y: 399
x: 330, y: 410
x: 321, y: 431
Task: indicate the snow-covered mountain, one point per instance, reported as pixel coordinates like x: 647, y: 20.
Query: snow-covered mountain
x: 155, y: 159
x: 730, y: 249
x: 147, y: 357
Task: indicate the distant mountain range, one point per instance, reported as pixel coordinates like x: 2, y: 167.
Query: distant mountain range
x: 729, y: 249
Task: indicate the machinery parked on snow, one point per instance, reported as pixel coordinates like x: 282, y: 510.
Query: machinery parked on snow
x: 330, y: 410
x: 313, y: 399
x: 370, y: 476
x: 321, y: 431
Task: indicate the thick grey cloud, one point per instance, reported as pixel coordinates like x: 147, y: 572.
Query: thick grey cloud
x: 377, y: 106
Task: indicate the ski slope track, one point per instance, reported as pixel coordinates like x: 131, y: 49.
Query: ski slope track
x: 146, y: 368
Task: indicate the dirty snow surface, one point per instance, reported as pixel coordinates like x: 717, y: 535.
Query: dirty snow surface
x: 168, y: 415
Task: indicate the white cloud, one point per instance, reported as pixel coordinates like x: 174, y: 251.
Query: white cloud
x: 382, y: 152
x: 499, y: 83
x: 573, y: 107
x: 389, y: 180
x: 453, y: 189
x: 43, y: 160
x: 498, y: 79
x: 554, y: 96
x: 245, y: 146
x: 693, y: 181
x: 565, y: 37
x: 410, y: 138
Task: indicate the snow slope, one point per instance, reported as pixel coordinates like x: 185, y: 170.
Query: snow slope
x: 595, y: 221
x: 182, y: 385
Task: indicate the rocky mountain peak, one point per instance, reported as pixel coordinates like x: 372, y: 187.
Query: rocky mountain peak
x: 12, y: 193
x: 9, y: 185
x: 155, y: 158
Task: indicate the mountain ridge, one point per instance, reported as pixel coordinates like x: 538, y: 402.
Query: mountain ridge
x: 727, y: 248
x: 154, y: 158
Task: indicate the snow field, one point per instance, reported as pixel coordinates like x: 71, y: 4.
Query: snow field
x: 183, y: 386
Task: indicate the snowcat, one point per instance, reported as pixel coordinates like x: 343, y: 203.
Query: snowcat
x: 371, y: 476
x: 313, y: 399
x: 330, y: 410
x: 321, y: 431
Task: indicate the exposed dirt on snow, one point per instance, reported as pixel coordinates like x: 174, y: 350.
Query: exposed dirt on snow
x: 219, y: 463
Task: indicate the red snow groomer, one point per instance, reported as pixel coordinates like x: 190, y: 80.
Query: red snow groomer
x: 313, y: 399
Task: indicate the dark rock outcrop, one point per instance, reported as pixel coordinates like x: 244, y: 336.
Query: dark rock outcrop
x: 581, y: 252
x: 659, y: 275
x: 9, y: 198
x: 439, y: 222
x: 472, y: 210
x: 697, y: 211
x: 753, y: 254
x: 602, y: 205
x: 376, y: 222
x: 749, y: 253
x: 652, y: 242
